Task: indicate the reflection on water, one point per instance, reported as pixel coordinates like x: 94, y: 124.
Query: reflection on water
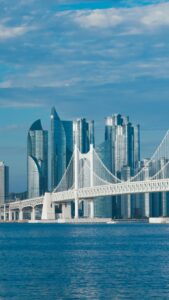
x: 51, y: 261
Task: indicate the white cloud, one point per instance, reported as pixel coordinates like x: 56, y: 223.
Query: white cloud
x: 12, y: 32
x: 134, y: 20
x: 10, y: 127
x: 99, y: 18
x: 19, y: 104
x: 157, y: 15
x: 5, y: 84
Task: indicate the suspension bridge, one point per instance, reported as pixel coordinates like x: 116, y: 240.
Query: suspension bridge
x: 87, y: 178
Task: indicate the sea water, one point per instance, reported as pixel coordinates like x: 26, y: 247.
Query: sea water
x: 111, y: 261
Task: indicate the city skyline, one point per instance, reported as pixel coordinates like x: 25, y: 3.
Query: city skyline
x: 120, y: 152
x: 52, y: 55
x: 98, y: 140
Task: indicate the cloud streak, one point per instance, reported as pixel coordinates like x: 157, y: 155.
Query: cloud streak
x: 11, y: 32
x: 142, y: 18
x: 19, y: 104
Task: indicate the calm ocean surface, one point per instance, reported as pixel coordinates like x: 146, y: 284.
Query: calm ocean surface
x: 51, y: 261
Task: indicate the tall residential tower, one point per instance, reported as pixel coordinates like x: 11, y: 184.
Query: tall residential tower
x: 124, y: 139
x: 4, y: 183
x: 61, y: 147
x: 37, y: 162
x: 124, y: 146
x: 83, y: 134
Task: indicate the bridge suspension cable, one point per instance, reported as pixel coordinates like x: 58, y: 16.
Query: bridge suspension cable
x: 89, y: 166
x: 102, y: 171
x: 97, y: 181
x: 67, y: 180
x: 154, y: 165
x: 163, y: 173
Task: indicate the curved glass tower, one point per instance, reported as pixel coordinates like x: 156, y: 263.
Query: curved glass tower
x: 37, y: 151
x: 61, y: 147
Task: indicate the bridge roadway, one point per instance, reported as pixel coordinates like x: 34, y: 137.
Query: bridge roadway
x: 136, y: 187
x: 21, y: 204
x: 127, y: 187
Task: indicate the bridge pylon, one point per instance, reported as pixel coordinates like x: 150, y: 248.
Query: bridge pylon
x: 91, y: 179
x: 76, y: 175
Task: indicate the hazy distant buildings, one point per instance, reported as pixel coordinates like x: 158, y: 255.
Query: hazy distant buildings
x: 4, y: 183
x: 37, y: 160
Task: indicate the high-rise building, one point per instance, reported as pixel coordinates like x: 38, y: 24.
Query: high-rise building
x: 124, y: 141
x: 61, y: 147
x: 4, y: 183
x: 103, y: 206
x: 37, y: 164
x: 64, y: 135
x: 83, y: 134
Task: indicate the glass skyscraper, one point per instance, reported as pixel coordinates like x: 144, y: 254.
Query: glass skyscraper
x: 124, y: 147
x: 4, y: 183
x: 124, y: 139
x: 61, y: 147
x: 103, y: 206
x: 83, y: 134
x: 64, y: 135
x: 37, y: 160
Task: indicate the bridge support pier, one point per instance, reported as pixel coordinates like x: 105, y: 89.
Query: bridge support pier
x: 15, y: 215
x: 10, y: 215
x: 147, y: 205
x: 4, y: 212
x: 66, y: 210
x: 20, y: 215
x: 76, y: 207
x: 48, y: 210
x: 92, y: 208
x: 33, y: 214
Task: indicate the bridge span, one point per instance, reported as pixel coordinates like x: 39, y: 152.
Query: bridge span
x: 125, y: 188
x: 87, y: 178
x: 49, y: 200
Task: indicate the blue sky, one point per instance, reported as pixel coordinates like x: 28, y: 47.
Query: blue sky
x: 89, y: 59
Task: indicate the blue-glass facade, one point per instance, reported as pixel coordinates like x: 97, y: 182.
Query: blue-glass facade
x: 61, y: 147
x: 4, y: 183
x: 37, y: 162
x: 124, y: 139
x: 83, y: 134
x: 124, y: 147
x: 103, y: 206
